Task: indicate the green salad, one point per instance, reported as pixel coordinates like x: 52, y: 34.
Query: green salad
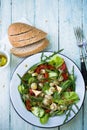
x: 47, y: 89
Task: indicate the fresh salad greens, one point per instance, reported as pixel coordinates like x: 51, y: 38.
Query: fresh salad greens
x: 48, y: 89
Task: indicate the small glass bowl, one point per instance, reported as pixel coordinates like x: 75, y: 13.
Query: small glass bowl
x: 4, y: 53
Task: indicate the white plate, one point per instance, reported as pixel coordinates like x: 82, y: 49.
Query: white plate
x: 18, y: 104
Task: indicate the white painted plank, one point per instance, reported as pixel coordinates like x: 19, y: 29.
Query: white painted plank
x: 5, y: 17
x: 70, y: 15
x: 85, y: 113
x: 23, y: 9
x: 85, y: 32
x: 0, y: 18
x: 46, y: 18
x: 20, y: 9
x: 4, y: 99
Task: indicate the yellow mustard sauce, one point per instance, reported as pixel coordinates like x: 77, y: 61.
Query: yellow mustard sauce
x: 3, y: 60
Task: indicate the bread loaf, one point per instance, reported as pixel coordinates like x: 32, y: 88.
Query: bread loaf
x: 21, y: 34
x: 26, y: 39
x: 30, y: 49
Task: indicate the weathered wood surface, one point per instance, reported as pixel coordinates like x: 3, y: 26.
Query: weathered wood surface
x: 57, y: 18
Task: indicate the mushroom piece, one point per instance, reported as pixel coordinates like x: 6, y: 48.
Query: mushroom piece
x: 53, y: 107
x: 47, y: 100
x: 59, y: 89
x: 36, y: 92
x: 34, y: 86
x: 34, y: 74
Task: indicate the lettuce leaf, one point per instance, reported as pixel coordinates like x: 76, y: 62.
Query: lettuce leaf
x: 56, y: 60
x: 68, y: 98
x: 44, y: 119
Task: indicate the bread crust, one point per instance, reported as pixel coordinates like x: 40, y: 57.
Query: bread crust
x: 30, y: 49
x: 18, y: 28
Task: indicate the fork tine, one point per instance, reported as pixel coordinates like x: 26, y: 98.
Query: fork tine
x: 76, y: 33
x: 79, y: 34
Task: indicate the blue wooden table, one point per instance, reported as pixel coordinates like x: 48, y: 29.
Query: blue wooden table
x: 57, y: 18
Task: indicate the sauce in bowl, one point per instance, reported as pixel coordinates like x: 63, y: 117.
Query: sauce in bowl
x: 3, y: 60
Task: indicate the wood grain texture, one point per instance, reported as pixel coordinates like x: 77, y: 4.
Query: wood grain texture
x: 70, y: 15
x: 20, y: 10
x: 85, y: 33
x: 0, y: 19
x: 46, y: 18
x: 4, y: 75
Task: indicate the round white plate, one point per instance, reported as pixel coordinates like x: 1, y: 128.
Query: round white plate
x: 18, y: 104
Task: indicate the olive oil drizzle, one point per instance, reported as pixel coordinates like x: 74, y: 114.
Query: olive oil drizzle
x: 3, y: 60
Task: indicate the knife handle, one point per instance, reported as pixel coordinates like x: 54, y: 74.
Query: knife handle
x: 84, y: 71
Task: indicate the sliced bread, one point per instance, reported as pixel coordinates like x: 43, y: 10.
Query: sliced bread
x: 21, y: 34
x: 30, y: 49
x: 18, y: 28
x: 27, y: 38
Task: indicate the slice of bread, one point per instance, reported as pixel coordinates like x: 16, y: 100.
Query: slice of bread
x: 21, y: 34
x: 30, y: 49
x: 31, y: 33
x: 27, y: 38
x: 18, y: 28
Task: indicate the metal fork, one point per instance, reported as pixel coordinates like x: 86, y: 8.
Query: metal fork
x: 80, y: 37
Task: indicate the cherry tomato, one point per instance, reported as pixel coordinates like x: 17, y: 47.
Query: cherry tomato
x: 47, y: 110
x: 63, y: 67
x: 46, y: 75
x: 31, y: 92
x: 50, y: 67
x: 43, y: 66
x: 65, y: 76
x: 28, y: 105
x: 37, y: 70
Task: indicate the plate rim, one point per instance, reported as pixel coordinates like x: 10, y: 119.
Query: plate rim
x: 43, y: 125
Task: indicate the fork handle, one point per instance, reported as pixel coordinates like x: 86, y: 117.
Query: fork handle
x: 84, y: 71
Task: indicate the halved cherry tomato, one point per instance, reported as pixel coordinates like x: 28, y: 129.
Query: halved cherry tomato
x: 46, y: 75
x: 31, y: 92
x: 65, y: 76
x: 43, y: 66
x: 38, y: 69
x: 63, y: 67
x: 50, y: 67
x: 28, y: 105
x: 47, y: 110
